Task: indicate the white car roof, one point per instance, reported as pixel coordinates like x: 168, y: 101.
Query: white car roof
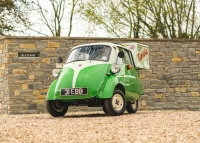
x: 100, y: 43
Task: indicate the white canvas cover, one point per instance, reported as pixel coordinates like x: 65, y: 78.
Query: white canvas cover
x: 140, y: 54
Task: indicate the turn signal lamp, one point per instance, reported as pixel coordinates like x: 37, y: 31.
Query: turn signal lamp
x: 129, y: 67
x: 115, y: 68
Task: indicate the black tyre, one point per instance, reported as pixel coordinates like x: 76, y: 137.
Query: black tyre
x: 117, y: 104
x: 55, y: 108
x: 132, y: 107
x: 104, y: 109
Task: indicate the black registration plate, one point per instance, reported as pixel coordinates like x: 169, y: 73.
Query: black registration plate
x: 74, y: 91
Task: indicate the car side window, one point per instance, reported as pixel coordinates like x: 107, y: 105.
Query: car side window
x: 126, y: 60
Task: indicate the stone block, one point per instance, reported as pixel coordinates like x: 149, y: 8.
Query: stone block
x: 183, y: 99
x: 169, y: 107
x: 44, y: 90
x: 181, y: 82
x: 38, y: 85
x: 194, y: 107
x: 36, y: 92
x: 50, y: 49
x: 197, y: 52
x: 39, y: 101
x: 149, y: 90
x: 1, y: 46
x: 171, y: 98
x: 160, y: 104
x: 24, y: 86
x: 150, y: 103
x: 162, y: 90
x: 158, y: 96
x: 178, y: 94
x: 143, y: 102
x: 54, y: 44
x: 32, y: 107
x: 31, y: 86
x: 41, y: 44
x: 174, y: 54
x: 14, y: 87
x: 62, y: 52
x: 31, y: 112
x: 186, y: 94
x: 17, y: 92
x: 183, y: 64
x: 19, y: 71
x: 31, y: 76
x: 17, y: 112
x: 18, y: 107
x: 11, y: 55
x: 15, y: 66
x: 195, y: 102
x: 27, y: 46
x: 193, y: 89
x: 174, y: 70
x: 187, y: 82
x: 195, y: 94
x: 46, y: 60
x: 171, y: 90
x: 155, y: 82
x: 184, y: 45
x: 41, y: 106
x: 23, y: 77
x: 26, y: 93
x: 143, y: 97
x: 194, y: 98
x: 177, y: 60
x: 182, y: 89
x: 167, y: 76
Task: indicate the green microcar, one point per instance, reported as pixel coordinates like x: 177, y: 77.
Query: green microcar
x: 99, y: 74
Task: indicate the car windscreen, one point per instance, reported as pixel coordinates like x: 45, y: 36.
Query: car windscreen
x: 93, y: 52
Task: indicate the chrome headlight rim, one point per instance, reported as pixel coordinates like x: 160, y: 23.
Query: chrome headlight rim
x: 115, y: 68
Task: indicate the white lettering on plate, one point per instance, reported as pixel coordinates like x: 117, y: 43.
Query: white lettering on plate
x: 80, y: 91
x: 72, y: 91
x: 67, y: 91
x: 76, y: 91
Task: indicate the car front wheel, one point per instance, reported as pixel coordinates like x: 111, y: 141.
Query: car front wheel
x: 55, y: 108
x: 117, y: 104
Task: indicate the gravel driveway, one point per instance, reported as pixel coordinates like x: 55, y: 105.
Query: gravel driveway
x: 92, y: 127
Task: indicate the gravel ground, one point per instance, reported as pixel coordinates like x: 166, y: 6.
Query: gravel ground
x: 92, y: 127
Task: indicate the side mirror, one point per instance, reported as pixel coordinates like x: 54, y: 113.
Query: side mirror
x: 60, y: 60
x: 121, y: 54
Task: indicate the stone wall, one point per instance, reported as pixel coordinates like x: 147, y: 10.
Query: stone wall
x: 172, y: 82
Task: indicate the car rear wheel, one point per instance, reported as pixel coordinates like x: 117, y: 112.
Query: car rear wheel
x: 117, y: 104
x: 132, y: 107
x: 55, y: 108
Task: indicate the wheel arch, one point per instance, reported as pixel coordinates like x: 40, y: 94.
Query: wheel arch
x: 120, y: 87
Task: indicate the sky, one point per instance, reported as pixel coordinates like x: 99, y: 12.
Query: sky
x: 81, y: 27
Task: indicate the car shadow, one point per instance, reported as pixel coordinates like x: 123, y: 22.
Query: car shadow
x: 90, y: 115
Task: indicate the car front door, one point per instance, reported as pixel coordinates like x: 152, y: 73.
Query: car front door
x: 129, y: 76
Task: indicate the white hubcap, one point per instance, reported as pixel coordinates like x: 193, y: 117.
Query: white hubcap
x: 133, y: 105
x: 117, y: 102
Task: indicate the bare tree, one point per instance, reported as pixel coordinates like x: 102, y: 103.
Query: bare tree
x: 53, y: 16
x: 13, y: 17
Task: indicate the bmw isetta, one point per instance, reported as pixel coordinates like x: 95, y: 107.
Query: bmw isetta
x: 99, y: 74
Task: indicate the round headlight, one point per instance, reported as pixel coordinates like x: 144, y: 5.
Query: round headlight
x: 115, y: 68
